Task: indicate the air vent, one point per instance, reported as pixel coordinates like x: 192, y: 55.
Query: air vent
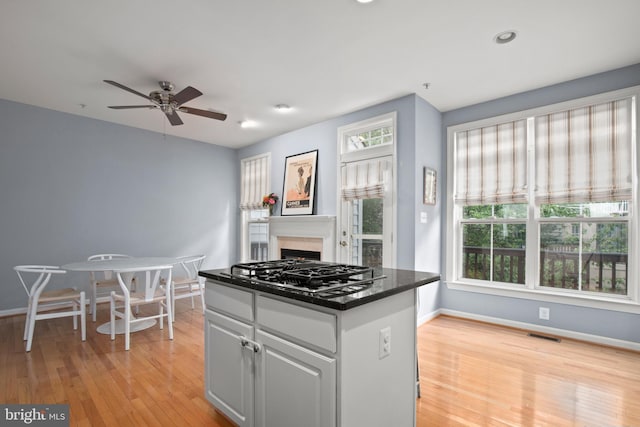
x: 545, y: 337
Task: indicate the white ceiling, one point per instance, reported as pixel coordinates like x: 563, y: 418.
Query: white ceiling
x: 323, y: 57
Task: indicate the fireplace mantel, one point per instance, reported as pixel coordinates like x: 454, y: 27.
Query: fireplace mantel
x: 304, y: 227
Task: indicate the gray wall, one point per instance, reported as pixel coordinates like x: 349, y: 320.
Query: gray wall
x: 323, y: 137
x: 611, y: 324
x: 428, y: 242
x: 72, y: 186
x: 418, y: 145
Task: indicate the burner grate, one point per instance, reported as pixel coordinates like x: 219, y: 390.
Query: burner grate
x: 315, y: 277
x: 311, y: 277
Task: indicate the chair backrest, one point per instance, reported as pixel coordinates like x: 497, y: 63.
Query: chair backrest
x: 42, y: 275
x: 99, y: 257
x: 150, y: 280
x: 191, y: 264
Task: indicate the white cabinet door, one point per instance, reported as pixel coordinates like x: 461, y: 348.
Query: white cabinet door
x: 294, y: 386
x: 229, y: 367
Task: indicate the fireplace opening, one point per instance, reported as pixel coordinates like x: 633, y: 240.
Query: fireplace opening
x: 299, y: 254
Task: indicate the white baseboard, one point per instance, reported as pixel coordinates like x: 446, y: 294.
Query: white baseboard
x: 596, y: 339
x: 13, y: 312
x: 427, y: 317
x: 23, y: 310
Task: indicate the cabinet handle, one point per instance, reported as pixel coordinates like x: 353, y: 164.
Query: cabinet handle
x: 247, y: 343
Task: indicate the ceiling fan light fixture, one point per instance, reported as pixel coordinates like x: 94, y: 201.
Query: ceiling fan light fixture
x: 505, y: 37
x: 168, y: 102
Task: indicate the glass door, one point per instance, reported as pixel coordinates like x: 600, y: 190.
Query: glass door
x: 366, y: 201
x: 365, y: 232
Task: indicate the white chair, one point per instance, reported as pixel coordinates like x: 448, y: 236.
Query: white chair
x: 102, y: 280
x: 150, y: 291
x: 56, y: 299
x: 190, y: 284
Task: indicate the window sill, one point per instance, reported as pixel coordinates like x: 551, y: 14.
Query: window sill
x: 615, y: 304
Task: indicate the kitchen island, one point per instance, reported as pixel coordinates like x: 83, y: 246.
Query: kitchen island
x: 277, y: 357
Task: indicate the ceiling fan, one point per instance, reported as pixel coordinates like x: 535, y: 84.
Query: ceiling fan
x: 169, y: 102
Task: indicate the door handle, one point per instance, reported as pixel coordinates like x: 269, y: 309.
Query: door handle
x: 343, y: 243
x: 247, y: 343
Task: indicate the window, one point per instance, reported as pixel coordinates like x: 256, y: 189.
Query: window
x: 364, y: 138
x: 365, y: 220
x: 258, y: 230
x: 540, y: 201
x: 254, y: 184
x: 364, y: 197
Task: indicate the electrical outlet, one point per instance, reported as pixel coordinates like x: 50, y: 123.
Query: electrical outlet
x: 543, y: 313
x: 384, y: 342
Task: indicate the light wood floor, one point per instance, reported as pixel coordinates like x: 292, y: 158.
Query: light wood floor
x: 476, y: 374
x: 471, y: 374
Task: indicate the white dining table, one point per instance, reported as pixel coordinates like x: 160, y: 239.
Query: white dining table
x: 121, y: 264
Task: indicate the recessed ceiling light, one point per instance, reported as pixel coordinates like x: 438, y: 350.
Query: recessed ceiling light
x: 247, y: 124
x: 283, y: 108
x: 364, y: 1
x: 505, y: 37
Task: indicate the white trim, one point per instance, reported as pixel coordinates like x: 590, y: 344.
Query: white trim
x: 596, y: 339
x: 13, y: 312
x: 428, y: 317
x: 52, y: 306
x: 267, y: 181
x: 305, y: 226
x: 257, y: 156
x: 369, y: 153
x: 547, y: 109
x: 453, y: 233
x: 531, y: 290
x: 622, y: 305
x: 245, y: 249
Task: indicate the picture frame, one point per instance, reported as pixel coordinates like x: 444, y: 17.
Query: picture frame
x: 299, y: 184
x: 429, y: 182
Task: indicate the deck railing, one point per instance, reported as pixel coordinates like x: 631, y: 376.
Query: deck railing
x: 601, y: 272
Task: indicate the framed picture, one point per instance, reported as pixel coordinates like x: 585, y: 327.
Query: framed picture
x: 299, y: 192
x: 429, y: 177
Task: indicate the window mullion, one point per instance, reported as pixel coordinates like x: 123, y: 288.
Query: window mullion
x: 532, y: 264
x: 604, y: 236
x: 580, y: 257
x: 492, y: 254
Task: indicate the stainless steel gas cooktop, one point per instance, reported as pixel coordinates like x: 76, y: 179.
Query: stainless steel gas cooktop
x: 313, y: 277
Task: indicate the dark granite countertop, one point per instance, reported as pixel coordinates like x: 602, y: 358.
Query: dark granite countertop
x: 395, y: 281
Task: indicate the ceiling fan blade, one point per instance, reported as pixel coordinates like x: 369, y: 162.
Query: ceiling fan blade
x: 186, y: 95
x: 174, y: 119
x: 203, y: 113
x: 135, y: 92
x: 124, y: 107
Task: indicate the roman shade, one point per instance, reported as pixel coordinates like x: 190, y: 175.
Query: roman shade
x: 365, y: 179
x: 584, y: 154
x: 491, y: 164
x: 254, y: 181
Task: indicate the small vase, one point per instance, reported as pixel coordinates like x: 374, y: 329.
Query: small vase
x: 271, y: 209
